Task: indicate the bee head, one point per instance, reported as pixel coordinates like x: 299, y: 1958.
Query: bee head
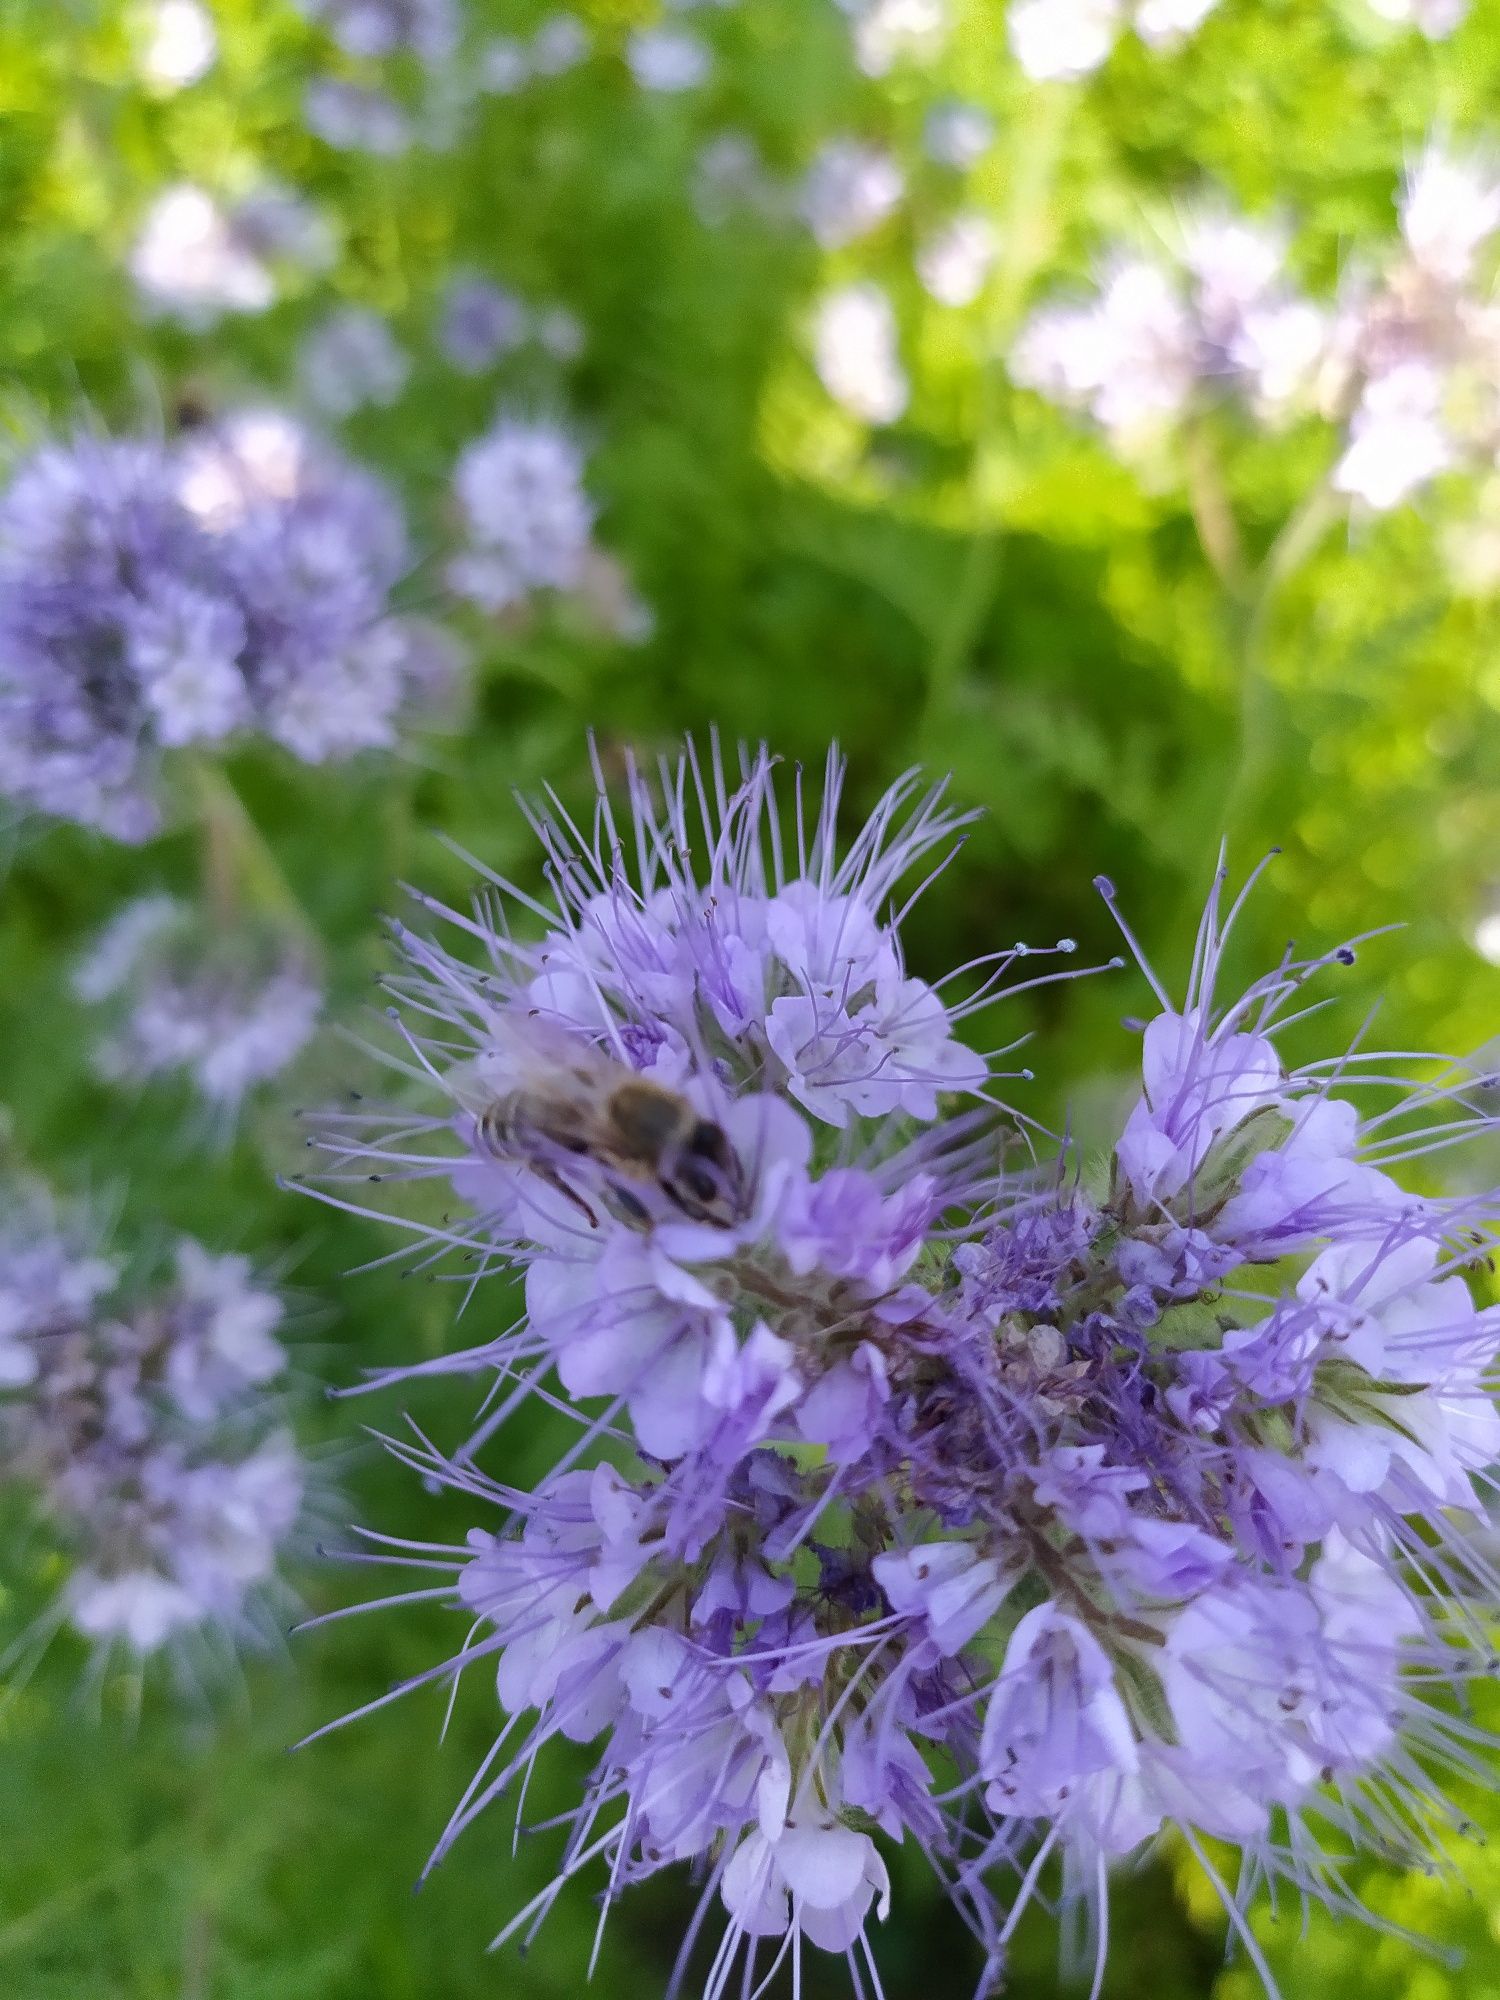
x: 704, y: 1177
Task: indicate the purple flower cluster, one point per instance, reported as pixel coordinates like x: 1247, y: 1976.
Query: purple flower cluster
x: 528, y: 528
x: 1020, y: 1511
x: 378, y: 28
x: 144, y: 1431
x: 157, y: 595
x: 227, y: 1007
x: 1155, y: 340
x: 1400, y: 360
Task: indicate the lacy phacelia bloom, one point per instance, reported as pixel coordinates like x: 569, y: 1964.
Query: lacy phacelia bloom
x: 1413, y: 361
x: 957, y: 135
x: 351, y: 361
x: 559, y: 43
x: 731, y: 178
x: 142, y: 1430
x: 191, y: 263
x: 226, y: 1008
x: 526, y: 514
x: 1402, y: 360
x: 954, y: 263
x: 480, y: 322
x: 1155, y: 338
x: 668, y: 59
x: 1054, y: 39
x: 1013, y: 1509
x: 428, y: 29
x: 1436, y: 19
x: 180, y: 44
x: 356, y: 117
x: 154, y: 596
x: 849, y: 191
x: 857, y: 353
x: 890, y: 32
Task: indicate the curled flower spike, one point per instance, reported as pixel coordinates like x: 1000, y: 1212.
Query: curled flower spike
x: 1020, y: 1511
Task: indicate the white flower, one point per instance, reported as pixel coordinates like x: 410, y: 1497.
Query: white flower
x: 957, y: 135
x: 814, y: 1873
x: 188, y: 262
x: 352, y: 359
x: 141, y: 1607
x: 1450, y: 208
x: 1159, y: 23
x: 1397, y: 440
x: 253, y: 456
x: 890, y: 31
x: 1281, y: 348
x: 850, y: 189
x: 954, y: 264
x: 667, y: 59
x: 1235, y: 264
x: 856, y: 354
x: 1055, y: 39
x: 560, y: 43
x: 1435, y: 18
x: 504, y: 67
x: 1130, y: 357
x: 181, y: 44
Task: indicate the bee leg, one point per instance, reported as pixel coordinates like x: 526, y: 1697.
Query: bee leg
x: 626, y: 1207
x: 571, y: 1194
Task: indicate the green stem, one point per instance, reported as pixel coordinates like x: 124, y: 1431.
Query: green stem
x: 1027, y: 229
x: 1213, y: 515
x: 239, y: 865
x: 1259, y: 728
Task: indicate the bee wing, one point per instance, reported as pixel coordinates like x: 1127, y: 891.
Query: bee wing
x: 525, y: 1054
x: 470, y: 1087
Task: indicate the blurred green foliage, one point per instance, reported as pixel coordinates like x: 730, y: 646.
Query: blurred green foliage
x: 982, y: 590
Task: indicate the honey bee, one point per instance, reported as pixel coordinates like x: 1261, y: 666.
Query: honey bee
x: 548, y: 1101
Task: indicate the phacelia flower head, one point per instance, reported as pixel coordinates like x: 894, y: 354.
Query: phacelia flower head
x: 857, y: 353
x: 350, y: 361
x: 143, y: 1430
x: 528, y: 528
x: 1412, y: 364
x: 1056, y: 39
x: 1155, y: 339
x: 481, y: 322
x: 179, y: 43
x: 196, y: 258
x: 226, y: 1007
x: 357, y: 117
x: 888, y: 33
x: 155, y: 596
x: 927, y: 1487
x: 374, y: 29
x: 850, y: 189
x: 668, y: 59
